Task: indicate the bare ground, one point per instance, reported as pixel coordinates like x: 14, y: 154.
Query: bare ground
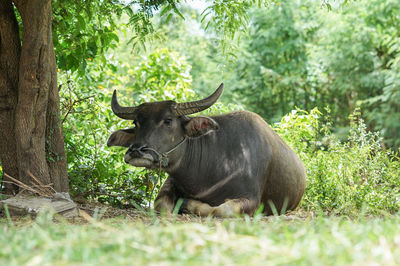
x: 88, y: 212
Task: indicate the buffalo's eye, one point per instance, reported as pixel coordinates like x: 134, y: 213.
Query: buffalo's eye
x: 168, y: 122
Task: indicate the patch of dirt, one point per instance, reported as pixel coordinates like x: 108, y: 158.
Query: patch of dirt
x: 95, y: 211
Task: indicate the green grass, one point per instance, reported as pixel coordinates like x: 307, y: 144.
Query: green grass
x: 276, y: 240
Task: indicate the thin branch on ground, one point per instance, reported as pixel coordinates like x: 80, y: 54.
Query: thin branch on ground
x: 39, y: 188
x: 20, y: 184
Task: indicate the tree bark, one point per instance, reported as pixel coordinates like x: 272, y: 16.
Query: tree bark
x: 10, y: 51
x: 57, y: 161
x: 39, y: 142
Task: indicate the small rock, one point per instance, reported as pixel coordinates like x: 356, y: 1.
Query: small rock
x: 22, y: 205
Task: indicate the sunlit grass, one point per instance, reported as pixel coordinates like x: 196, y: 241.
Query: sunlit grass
x: 155, y: 240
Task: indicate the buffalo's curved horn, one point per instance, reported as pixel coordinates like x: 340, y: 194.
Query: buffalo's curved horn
x: 198, y: 106
x: 128, y: 113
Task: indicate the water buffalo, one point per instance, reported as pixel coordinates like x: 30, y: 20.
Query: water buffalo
x: 221, y: 165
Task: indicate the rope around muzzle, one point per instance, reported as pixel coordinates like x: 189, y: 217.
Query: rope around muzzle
x: 162, y: 162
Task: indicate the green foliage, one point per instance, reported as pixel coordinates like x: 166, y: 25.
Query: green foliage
x: 162, y: 75
x: 384, y: 111
x: 84, y: 31
x: 271, y: 72
x: 208, y: 68
x: 296, y: 54
x: 230, y: 19
x: 300, y: 129
x: 89, y: 29
x: 348, y: 177
x: 227, y: 16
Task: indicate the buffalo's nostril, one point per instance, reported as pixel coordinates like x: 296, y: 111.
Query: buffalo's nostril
x: 143, y: 148
x: 137, y: 150
x: 132, y: 147
x: 137, y: 147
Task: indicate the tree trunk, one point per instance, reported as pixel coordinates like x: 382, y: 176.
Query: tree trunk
x: 10, y: 51
x: 38, y: 131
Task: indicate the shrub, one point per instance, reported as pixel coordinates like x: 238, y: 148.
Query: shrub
x: 346, y: 177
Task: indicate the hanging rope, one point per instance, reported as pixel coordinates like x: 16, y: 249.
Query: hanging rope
x: 162, y: 162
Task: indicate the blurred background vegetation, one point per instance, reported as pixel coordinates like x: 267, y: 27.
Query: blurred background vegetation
x: 326, y: 77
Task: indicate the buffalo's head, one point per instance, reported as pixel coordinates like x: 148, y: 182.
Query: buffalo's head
x: 159, y: 128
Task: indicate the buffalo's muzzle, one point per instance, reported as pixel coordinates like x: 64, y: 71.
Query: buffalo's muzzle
x: 139, y: 155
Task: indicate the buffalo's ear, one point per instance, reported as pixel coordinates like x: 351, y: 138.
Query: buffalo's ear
x: 123, y: 138
x: 199, y: 126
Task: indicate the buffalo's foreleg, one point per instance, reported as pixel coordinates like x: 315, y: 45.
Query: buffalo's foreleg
x: 230, y: 208
x: 166, y: 198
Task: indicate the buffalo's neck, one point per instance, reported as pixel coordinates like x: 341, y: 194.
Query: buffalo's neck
x: 195, y: 170
x: 207, y: 167
x: 191, y: 160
